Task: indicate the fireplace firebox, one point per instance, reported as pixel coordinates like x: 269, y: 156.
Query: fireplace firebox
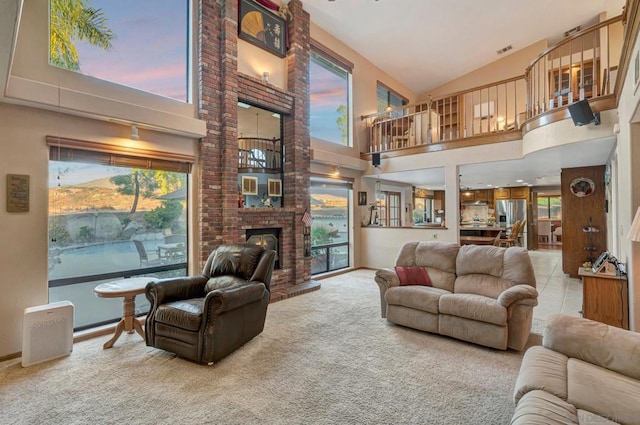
x: 268, y: 238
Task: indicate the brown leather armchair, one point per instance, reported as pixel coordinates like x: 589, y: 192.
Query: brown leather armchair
x: 205, y: 318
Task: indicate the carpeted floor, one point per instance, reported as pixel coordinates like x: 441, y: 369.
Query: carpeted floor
x: 324, y: 358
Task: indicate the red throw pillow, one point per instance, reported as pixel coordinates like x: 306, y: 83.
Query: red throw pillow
x: 413, y: 275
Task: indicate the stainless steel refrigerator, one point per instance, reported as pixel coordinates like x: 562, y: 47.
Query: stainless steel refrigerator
x: 511, y: 210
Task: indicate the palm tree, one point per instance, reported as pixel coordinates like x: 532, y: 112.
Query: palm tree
x: 76, y: 20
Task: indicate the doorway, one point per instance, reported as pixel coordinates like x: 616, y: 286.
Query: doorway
x: 547, y: 215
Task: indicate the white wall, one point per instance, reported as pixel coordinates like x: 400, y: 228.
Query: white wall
x: 628, y: 188
x: 23, y: 254
x: 23, y: 151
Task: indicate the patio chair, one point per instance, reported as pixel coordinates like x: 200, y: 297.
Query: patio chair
x: 144, y: 255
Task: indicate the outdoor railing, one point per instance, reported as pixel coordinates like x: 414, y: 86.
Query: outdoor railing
x: 326, y: 258
x: 581, y: 66
x: 258, y: 153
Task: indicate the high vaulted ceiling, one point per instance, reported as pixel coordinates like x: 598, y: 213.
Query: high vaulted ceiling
x: 426, y: 43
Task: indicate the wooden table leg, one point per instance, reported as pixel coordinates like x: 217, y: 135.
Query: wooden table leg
x: 138, y: 327
x: 119, y: 329
x: 129, y: 313
x: 128, y: 323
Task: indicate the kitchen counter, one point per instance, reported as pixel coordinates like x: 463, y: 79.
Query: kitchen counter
x: 482, y: 229
x: 431, y: 226
x: 484, y: 226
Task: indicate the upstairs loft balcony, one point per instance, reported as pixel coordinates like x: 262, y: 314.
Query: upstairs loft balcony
x: 582, y: 66
x: 259, y: 155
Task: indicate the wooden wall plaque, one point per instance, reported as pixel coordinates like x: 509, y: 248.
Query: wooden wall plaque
x: 17, y: 193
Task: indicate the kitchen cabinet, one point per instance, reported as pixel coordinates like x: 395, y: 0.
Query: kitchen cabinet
x: 438, y: 200
x: 467, y: 195
x: 519, y: 192
x: 483, y: 195
x: 511, y: 193
x: 502, y: 193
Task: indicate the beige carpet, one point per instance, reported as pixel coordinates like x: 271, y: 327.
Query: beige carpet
x: 324, y: 358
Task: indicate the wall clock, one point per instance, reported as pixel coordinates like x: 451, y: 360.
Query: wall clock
x: 582, y: 187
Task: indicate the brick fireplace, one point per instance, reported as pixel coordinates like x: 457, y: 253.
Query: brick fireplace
x: 222, y: 86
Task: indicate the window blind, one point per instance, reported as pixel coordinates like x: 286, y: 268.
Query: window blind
x: 71, y: 150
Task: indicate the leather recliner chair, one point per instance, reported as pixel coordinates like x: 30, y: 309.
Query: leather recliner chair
x: 204, y: 318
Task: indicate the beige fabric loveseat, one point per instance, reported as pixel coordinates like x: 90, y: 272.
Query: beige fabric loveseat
x: 585, y: 372
x: 480, y: 294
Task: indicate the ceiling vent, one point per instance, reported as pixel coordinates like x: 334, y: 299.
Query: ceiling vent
x: 504, y: 49
x: 572, y: 31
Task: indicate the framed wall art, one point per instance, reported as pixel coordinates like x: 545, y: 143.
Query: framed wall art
x: 582, y: 187
x: 261, y: 27
x: 362, y: 198
x: 17, y: 193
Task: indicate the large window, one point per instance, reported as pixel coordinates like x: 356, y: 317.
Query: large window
x: 550, y: 207
x: 330, y: 92
x: 423, y: 212
x: 387, y: 98
x: 110, y: 218
x: 330, y: 228
x: 142, y: 44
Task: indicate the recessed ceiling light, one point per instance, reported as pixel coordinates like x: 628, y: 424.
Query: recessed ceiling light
x: 244, y: 105
x: 489, y: 185
x: 519, y: 181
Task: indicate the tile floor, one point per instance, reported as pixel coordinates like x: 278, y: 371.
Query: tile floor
x: 558, y: 293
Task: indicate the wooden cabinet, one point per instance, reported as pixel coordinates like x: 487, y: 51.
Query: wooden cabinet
x: 579, y: 212
x: 605, y: 298
x: 571, y: 80
x: 502, y: 193
x: 511, y: 193
x: 477, y: 195
x: 438, y: 200
x: 519, y: 192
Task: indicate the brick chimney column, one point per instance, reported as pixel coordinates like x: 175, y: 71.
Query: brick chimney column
x: 296, y: 132
x: 218, y: 150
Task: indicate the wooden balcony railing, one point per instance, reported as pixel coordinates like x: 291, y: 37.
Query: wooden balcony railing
x: 489, y: 109
x: 582, y: 66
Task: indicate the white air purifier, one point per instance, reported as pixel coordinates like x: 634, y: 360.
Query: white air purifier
x: 47, y: 332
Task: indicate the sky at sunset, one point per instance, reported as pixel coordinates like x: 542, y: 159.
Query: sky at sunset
x: 328, y: 92
x: 150, y: 49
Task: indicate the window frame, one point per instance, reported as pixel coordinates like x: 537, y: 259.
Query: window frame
x: 389, y: 92
x: 100, y: 154
x: 325, y: 53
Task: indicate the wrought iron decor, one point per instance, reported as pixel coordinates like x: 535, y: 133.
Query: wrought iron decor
x: 259, y: 26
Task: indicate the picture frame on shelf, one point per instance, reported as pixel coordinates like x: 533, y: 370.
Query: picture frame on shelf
x: 262, y: 28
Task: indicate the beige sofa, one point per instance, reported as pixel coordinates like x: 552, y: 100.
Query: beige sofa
x: 585, y: 372
x: 480, y: 294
